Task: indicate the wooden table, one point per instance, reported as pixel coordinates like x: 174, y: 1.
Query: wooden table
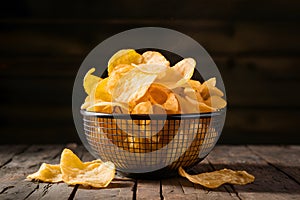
x: 276, y: 168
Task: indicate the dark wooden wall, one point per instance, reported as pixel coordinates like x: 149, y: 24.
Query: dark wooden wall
x: 255, y: 44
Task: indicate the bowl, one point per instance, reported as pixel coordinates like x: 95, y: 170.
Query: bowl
x: 152, y: 144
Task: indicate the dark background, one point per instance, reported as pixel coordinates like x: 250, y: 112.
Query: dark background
x: 254, y: 43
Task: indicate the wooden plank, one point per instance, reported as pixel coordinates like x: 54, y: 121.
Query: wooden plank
x: 117, y: 189
x: 7, y: 152
x: 148, y: 189
x: 284, y: 158
x: 12, y: 176
x: 269, y: 182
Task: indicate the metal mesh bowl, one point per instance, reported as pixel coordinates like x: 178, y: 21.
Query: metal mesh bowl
x: 150, y: 144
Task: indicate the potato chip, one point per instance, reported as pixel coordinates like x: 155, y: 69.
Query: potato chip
x: 96, y: 173
x: 90, y: 81
x: 153, y: 57
x: 143, y: 107
x: 124, y: 56
x: 203, y: 108
x: 87, y: 103
x: 107, y: 107
x: 116, y: 75
x: 47, y: 173
x: 217, y: 178
x: 136, y: 79
x: 151, y: 68
x: 171, y: 104
x: 216, y: 102
x: 186, y: 68
x: 132, y: 86
x: 158, y: 94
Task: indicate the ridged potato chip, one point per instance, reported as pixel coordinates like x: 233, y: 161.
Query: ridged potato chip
x: 217, y: 178
x: 124, y: 56
x: 47, y: 173
x: 95, y: 173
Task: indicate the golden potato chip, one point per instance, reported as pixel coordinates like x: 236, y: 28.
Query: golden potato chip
x: 124, y: 56
x: 90, y: 81
x: 216, y: 102
x: 154, y: 57
x: 107, y: 107
x: 143, y: 107
x: 132, y: 86
x: 101, y: 91
x: 217, y: 178
x: 47, y: 173
x: 158, y: 94
x: 203, y: 108
x: 171, y: 104
x: 95, y: 173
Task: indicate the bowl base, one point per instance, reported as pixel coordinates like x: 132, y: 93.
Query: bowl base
x: 165, y: 172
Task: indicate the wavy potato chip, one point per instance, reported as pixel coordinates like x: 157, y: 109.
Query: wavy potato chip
x: 73, y: 171
x: 95, y: 173
x: 217, y: 178
x: 47, y: 173
x: 90, y: 80
x: 154, y: 57
x: 124, y: 56
x: 151, y: 68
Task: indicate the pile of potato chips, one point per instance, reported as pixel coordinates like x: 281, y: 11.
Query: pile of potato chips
x: 72, y: 171
x: 147, y: 84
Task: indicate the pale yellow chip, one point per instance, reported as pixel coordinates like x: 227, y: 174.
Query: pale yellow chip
x: 90, y: 81
x: 186, y: 68
x: 96, y: 173
x: 216, y: 102
x: 217, y: 178
x: 132, y: 86
x: 47, y: 173
x: 124, y: 56
x: 154, y: 57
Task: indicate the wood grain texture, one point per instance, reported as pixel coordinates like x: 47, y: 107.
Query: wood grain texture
x: 276, y: 185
